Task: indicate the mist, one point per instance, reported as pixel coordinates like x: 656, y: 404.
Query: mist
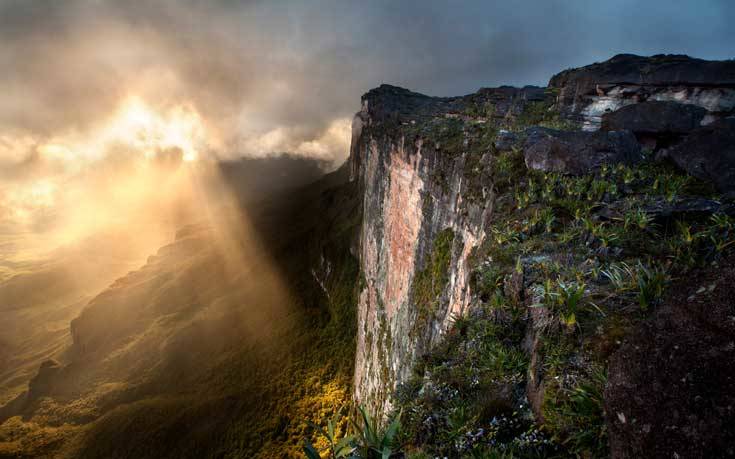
x: 177, y: 230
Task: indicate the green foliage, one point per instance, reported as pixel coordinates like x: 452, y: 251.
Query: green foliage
x: 430, y: 282
x: 507, y: 169
x: 368, y: 439
x: 461, y: 395
x: 646, y: 282
x: 336, y: 448
x: 371, y: 440
x: 563, y: 298
x: 542, y: 113
x: 576, y: 416
x: 637, y: 219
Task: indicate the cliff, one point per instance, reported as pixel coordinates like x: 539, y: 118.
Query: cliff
x: 505, y: 220
x: 422, y: 165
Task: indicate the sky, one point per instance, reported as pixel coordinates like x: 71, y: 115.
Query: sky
x: 287, y: 76
x: 89, y: 87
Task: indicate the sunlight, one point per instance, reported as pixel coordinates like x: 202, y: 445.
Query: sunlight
x: 138, y: 125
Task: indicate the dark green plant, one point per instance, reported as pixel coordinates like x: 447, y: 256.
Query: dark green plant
x: 372, y: 441
x: 651, y: 281
x: 576, y: 416
x: 646, y: 282
x: 368, y: 440
x: 563, y: 298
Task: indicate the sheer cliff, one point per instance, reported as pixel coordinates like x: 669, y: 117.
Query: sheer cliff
x: 422, y: 166
x: 516, y: 239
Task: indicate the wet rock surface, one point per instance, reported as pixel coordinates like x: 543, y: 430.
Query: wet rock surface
x: 670, y: 388
x: 578, y: 152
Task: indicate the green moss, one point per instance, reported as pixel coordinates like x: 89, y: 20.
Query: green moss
x: 429, y: 283
x: 542, y: 113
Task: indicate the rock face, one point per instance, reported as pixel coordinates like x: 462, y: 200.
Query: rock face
x: 578, y: 152
x: 655, y: 117
x: 669, y: 390
x: 587, y: 93
x: 426, y: 170
x: 708, y: 153
x: 415, y: 193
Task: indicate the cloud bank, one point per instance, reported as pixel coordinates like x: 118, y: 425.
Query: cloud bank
x: 285, y: 75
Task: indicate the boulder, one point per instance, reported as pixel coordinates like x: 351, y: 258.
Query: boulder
x: 578, y: 152
x: 670, y: 385
x: 585, y: 94
x: 708, y: 153
x: 655, y: 117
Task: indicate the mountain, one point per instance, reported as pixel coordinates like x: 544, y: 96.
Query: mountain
x: 518, y: 272
x: 222, y: 344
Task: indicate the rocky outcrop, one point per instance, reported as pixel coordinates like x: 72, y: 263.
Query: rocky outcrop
x: 578, y: 152
x: 428, y: 171
x: 708, y: 153
x: 417, y: 160
x: 585, y: 94
x: 655, y: 118
x: 669, y: 390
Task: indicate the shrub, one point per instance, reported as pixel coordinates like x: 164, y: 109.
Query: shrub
x: 562, y: 298
x: 368, y: 440
x: 576, y: 416
x: 646, y: 282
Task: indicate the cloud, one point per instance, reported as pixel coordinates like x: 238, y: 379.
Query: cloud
x: 257, y: 70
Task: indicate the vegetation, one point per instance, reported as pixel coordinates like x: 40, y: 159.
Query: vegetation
x: 237, y: 380
x: 429, y: 283
x: 368, y: 440
x: 593, y: 255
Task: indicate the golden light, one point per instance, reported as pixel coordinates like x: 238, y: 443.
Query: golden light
x: 138, y: 188
x: 139, y: 126
x: 143, y: 128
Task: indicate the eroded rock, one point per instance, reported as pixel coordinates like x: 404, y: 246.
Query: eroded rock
x: 578, y: 152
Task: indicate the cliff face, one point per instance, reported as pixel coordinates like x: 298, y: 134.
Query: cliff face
x: 420, y: 165
x: 429, y: 173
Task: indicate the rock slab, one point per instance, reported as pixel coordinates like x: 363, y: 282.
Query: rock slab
x: 578, y: 152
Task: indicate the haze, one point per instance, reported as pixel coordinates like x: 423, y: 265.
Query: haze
x: 123, y: 124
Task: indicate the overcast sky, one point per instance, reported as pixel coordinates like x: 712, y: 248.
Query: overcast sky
x: 288, y: 75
